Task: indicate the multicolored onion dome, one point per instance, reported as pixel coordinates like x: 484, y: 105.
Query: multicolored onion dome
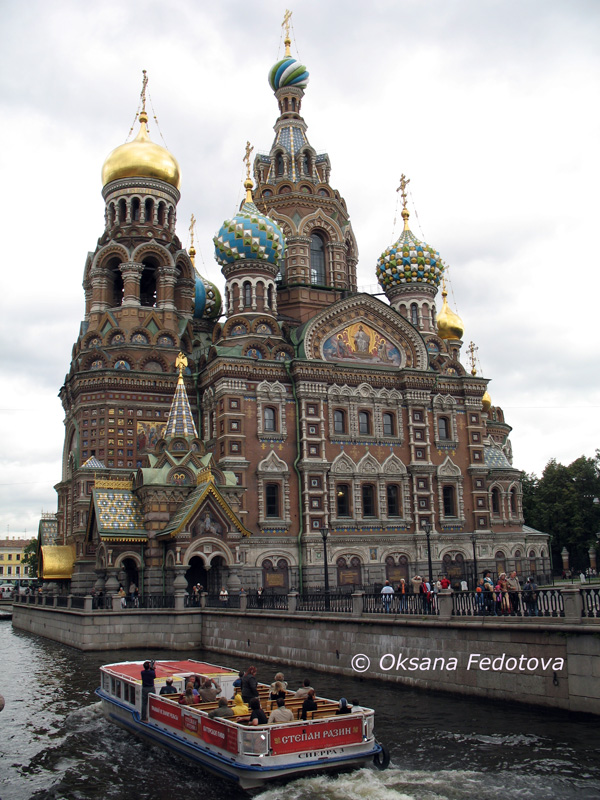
x: 207, y: 302
x: 288, y: 72
x: 249, y: 235
x: 409, y: 261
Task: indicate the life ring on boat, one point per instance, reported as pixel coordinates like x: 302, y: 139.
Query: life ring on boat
x: 382, y: 758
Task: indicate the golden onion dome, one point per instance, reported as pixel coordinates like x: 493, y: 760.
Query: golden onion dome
x: 450, y: 325
x: 486, y: 401
x: 141, y: 158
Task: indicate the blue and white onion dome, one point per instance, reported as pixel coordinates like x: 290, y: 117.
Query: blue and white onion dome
x: 409, y: 261
x: 207, y: 300
x: 288, y: 72
x: 249, y: 236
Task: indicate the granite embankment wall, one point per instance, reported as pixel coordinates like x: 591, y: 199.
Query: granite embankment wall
x: 546, y: 663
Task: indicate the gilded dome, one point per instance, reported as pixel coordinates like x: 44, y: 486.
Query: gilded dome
x: 450, y: 325
x: 250, y: 235
x: 486, y: 401
x: 288, y: 72
x: 409, y: 261
x: 141, y: 158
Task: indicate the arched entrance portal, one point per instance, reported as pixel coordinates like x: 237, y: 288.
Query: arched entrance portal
x: 454, y: 569
x: 132, y: 575
x: 212, y: 579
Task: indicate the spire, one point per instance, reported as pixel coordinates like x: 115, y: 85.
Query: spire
x: 248, y: 185
x: 192, y: 249
x: 286, y: 24
x: 404, y: 181
x: 181, y: 421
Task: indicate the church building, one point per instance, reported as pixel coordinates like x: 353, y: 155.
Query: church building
x: 285, y: 423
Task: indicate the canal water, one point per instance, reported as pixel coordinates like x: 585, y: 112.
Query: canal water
x: 56, y: 745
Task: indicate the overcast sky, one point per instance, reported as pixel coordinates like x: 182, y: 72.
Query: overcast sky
x: 490, y: 107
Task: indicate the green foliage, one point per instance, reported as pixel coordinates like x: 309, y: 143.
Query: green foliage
x: 561, y: 503
x: 30, y: 558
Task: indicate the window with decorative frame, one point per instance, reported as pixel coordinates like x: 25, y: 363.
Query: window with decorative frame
x: 339, y: 421
x: 269, y: 419
x: 389, y: 424
x: 343, y: 499
x: 364, y: 423
x: 272, y: 500
x: 393, y: 500
x: 449, y: 500
x: 369, y: 500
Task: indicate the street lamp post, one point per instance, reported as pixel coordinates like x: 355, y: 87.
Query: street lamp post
x: 474, y: 542
x: 427, y: 529
x: 324, y: 535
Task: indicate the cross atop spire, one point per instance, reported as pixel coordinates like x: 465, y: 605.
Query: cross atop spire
x: 143, y: 96
x: 472, y: 350
x: 286, y: 24
x: 248, y: 182
x: 404, y: 181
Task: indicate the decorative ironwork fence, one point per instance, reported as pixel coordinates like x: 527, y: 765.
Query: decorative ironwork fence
x: 541, y: 603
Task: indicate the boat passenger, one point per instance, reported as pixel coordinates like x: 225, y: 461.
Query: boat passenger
x: 237, y: 684
x: 209, y: 691
x: 148, y: 677
x: 281, y: 713
x: 309, y: 704
x: 168, y: 688
x: 277, y: 691
x: 279, y: 679
x: 249, y: 685
x: 240, y: 709
x: 344, y: 707
x: 189, y: 698
x: 304, y: 689
x: 357, y: 708
x: 257, y: 715
x: 222, y: 709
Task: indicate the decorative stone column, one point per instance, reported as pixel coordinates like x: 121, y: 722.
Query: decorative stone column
x: 292, y: 601
x: 234, y: 583
x: 444, y: 600
x: 564, y: 554
x: 180, y: 587
x: 100, y: 584
x: 592, y: 554
x: 132, y: 273
x: 167, y: 278
x: 112, y: 588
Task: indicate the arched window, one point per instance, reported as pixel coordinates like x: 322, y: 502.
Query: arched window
x: 293, y: 103
x: 112, y: 215
x: 305, y: 164
x: 444, y: 427
x: 389, y: 429
x: 135, y: 209
x: 148, y: 285
x: 317, y: 260
x: 364, y: 423
x: 393, y: 504
x: 368, y: 500
x: 414, y: 314
x: 449, y: 497
x: 285, y: 104
x: 495, y: 500
x: 433, y: 319
x: 343, y: 500
x: 513, y: 500
x: 122, y: 211
x: 247, y: 293
x: 270, y: 419
x: 161, y: 214
x: 272, y: 491
x: 279, y: 165
x: 149, y: 212
x: 339, y: 421
x: 270, y: 297
x: 500, y: 562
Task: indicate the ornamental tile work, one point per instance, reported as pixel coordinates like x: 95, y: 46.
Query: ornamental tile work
x: 249, y: 235
x: 118, y: 510
x: 409, y: 261
x: 494, y: 457
x: 180, y: 422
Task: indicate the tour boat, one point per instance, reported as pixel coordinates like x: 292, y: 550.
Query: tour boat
x: 249, y: 755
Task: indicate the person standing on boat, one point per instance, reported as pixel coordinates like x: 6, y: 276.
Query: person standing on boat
x: 249, y: 685
x: 148, y: 677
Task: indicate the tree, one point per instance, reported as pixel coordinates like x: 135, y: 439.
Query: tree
x: 561, y: 503
x: 30, y: 558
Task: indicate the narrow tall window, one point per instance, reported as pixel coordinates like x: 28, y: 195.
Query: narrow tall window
x: 247, y: 293
x: 339, y: 421
x: 317, y: 260
x: 393, y: 505
x: 495, y: 500
x: 135, y: 209
x: 279, y: 165
x: 368, y: 500
x: 270, y: 416
x: 388, y: 425
x: 414, y: 314
x: 443, y: 428
x: 364, y: 423
x: 449, y: 501
x: 513, y: 500
x: 272, y: 500
x: 343, y: 500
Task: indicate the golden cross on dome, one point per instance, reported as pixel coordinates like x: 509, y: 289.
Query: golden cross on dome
x: 286, y: 24
x: 471, y: 350
x: 404, y: 181
x: 143, y: 92
x: 181, y: 363
x: 246, y: 159
x: 191, y: 229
